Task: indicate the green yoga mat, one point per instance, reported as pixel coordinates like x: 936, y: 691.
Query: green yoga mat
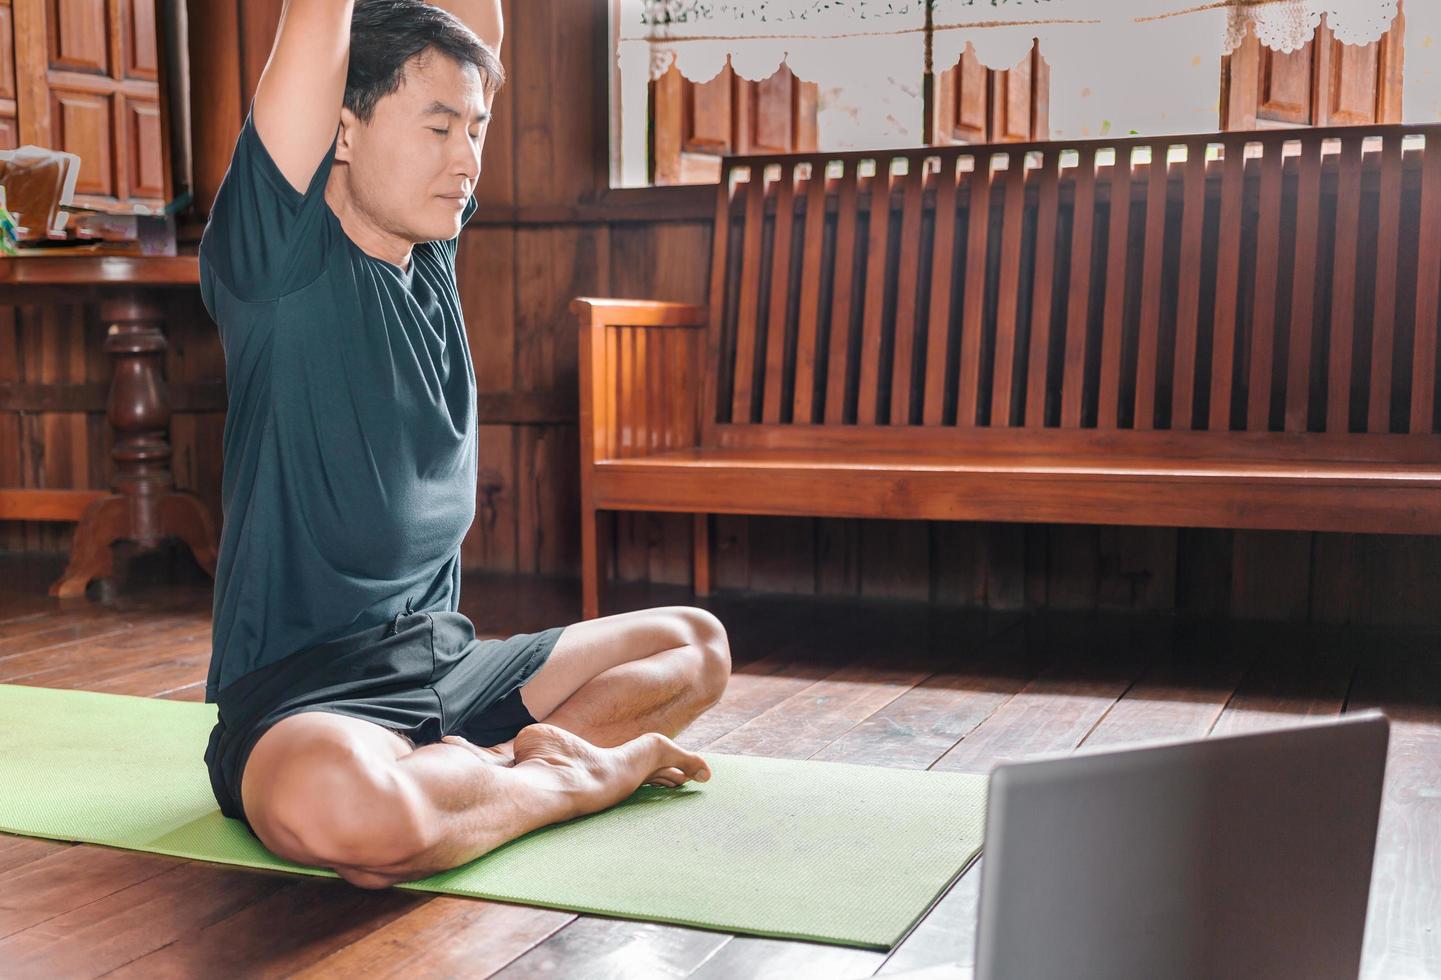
x: 831, y: 852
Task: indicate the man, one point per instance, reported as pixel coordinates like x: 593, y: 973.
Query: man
x: 389, y: 743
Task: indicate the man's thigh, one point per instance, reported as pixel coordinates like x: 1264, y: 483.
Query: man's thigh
x: 594, y: 646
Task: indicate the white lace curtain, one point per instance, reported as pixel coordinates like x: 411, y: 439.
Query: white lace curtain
x: 839, y: 41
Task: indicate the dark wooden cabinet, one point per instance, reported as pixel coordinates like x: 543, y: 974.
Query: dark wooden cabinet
x: 84, y: 76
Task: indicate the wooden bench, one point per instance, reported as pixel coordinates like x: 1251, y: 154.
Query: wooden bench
x: 1252, y: 343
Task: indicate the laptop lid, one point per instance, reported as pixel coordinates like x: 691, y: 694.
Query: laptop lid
x: 1235, y: 856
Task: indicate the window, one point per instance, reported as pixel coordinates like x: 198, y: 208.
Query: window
x: 673, y: 130
x: 1325, y: 83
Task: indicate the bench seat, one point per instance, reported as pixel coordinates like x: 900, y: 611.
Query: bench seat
x: 1085, y: 487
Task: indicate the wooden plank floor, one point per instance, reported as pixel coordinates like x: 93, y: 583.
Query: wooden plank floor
x: 877, y: 683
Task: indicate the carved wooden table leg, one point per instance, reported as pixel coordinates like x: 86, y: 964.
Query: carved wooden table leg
x: 144, y: 506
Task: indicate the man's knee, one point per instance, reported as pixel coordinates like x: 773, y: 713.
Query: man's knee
x: 709, y: 637
x: 331, y: 803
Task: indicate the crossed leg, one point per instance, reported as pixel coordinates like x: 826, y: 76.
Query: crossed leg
x: 615, y: 677
x: 608, y: 680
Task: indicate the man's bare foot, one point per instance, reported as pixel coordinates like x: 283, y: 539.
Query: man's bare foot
x: 603, y: 777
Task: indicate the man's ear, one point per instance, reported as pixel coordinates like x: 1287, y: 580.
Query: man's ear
x: 344, y: 141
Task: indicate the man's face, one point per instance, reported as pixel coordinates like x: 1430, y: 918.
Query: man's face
x: 415, y: 164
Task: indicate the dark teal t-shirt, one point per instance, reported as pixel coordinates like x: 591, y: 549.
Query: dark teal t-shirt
x: 350, y: 433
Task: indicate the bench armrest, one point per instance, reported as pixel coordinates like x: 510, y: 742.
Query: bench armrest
x: 641, y: 376
x: 594, y: 312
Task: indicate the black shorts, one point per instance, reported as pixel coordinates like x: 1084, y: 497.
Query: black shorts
x: 423, y: 676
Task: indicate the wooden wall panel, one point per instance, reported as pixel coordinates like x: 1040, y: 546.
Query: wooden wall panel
x: 557, y: 76
x: 554, y: 265
x: 497, y: 172
x: 485, y: 275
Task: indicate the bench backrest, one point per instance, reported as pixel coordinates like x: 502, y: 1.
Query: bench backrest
x: 1258, y: 282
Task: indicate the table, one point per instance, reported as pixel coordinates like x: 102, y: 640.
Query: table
x: 143, y: 505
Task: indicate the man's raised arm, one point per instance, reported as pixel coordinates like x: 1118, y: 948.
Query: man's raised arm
x: 298, y: 98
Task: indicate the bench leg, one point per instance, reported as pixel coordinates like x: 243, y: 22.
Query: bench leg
x: 700, y: 528
x: 593, y: 560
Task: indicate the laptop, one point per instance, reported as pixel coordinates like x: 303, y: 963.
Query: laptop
x: 1233, y: 856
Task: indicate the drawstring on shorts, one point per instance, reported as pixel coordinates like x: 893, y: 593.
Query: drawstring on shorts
x: 395, y: 625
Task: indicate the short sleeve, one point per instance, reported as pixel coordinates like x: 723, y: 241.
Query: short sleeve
x: 264, y: 238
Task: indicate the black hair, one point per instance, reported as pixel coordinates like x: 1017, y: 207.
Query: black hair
x: 386, y: 34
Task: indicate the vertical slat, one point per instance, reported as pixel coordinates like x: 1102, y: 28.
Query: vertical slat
x: 1083, y: 213
x: 1383, y: 323
x: 1048, y: 204
x: 657, y: 403
x: 626, y: 418
x: 942, y: 258
x: 634, y: 419
x: 683, y: 385
x: 911, y: 188
x: 872, y: 322
x: 641, y: 392
x: 749, y: 312
x: 1343, y: 285
x: 700, y: 370
x: 710, y: 349
x: 659, y: 382
x: 1303, y: 286
x: 671, y: 387
x: 803, y: 403
x: 681, y: 388
x: 978, y: 226
x: 1228, y: 273
x: 1428, y: 281
x: 1148, y: 340
x: 613, y: 386
x: 836, y: 363
x: 659, y: 400
x: 1008, y: 300
x: 780, y: 294
x: 1183, y: 378
x: 1263, y: 317
x: 1118, y: 236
